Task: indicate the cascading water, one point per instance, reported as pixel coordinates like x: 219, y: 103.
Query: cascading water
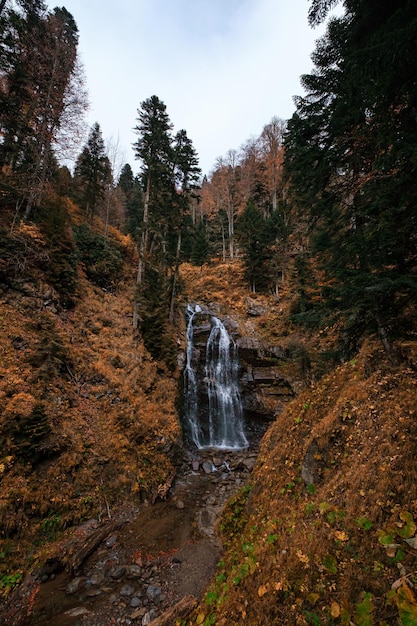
x: 218, y: 421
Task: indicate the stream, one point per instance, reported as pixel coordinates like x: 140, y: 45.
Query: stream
x: 159, y: 554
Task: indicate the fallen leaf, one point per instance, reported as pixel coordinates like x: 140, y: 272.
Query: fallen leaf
x: 335, y: 610
x: 341, y: 535
x: 263, y: 589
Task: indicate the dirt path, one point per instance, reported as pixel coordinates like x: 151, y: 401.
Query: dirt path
x: 162, y: 553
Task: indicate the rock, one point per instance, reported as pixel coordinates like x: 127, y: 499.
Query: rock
x: 109, y: 543
x: 195, y: 465
x: 95, y: 579
x: 127, y: 591
x: 207, y: 467
x: 134, y: 571
x: 77, y: 612
x: 138, y: 614
x: 92, y: 593
x: 255, y: 310
x: 179, y: 504
x: 249, y: 463
x: 153, y: 592
x: 74, y: 585
x: 135, y: 602
x: 148, y: 617
x: 117, y: 573
x: 310, y: 465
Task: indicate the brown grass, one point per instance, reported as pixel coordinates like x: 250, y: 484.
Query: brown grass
x: 313, y: 552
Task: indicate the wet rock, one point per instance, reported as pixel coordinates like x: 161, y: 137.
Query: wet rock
x: 117, y: 573
x: 207, y: 467
x: 74, y: 585
x: 127, y: 591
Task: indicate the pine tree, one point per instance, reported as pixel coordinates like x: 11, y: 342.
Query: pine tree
x: 38, y: 54
x: 93, y: 172
x: 351, y: 156
x: 154, y: 149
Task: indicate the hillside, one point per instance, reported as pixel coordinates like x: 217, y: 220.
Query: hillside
x: 326, y: 526
x: 88, y: 419
x: 326, y: 534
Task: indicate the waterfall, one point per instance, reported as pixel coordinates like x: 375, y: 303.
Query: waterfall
x: 212, y: 406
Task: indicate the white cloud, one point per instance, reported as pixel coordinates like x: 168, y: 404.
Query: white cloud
x: 222, y: 67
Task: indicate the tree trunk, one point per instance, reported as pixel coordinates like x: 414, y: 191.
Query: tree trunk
x: 386, y: 342
x: 174, y: 280
x: 144, y: 237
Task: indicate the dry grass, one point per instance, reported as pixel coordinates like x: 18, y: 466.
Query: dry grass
x: 310, y: 554
x: 110, y: 409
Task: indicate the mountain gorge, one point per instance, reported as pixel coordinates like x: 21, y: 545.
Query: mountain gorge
x: 288, y: 274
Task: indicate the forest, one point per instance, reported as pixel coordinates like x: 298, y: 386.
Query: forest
x: 317, y: 214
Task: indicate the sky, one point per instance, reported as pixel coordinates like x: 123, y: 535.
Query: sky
x: 223, y: 68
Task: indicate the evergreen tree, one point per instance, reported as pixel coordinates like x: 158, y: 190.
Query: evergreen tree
x: 131, y: 188
x: 38, y: 55
x: 199, y: 253
x: 93, y: 172
x: 155, y: 151
x: 351, y: 157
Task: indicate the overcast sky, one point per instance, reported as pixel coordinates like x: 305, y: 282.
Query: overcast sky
x: 223, y: 68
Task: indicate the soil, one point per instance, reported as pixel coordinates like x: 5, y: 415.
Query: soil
x: 160, y: 553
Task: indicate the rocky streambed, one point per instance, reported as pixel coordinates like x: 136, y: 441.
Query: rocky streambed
x: 144, y: 564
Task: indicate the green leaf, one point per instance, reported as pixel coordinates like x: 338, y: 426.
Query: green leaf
x: 330, y: 563
x: 364, y: 611
x: 409, y: 528
x: 407, y: 606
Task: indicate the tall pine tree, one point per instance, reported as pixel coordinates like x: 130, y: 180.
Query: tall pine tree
x: 351, y: 157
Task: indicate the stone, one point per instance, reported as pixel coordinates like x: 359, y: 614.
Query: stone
x: 134, y: 571
x: 139, y: 613
x: 255, y: 311
x: 77, y: 612
x: 127, y: 591
x: 148, y: 617
x: 117, y: 573
x: 135, y: 602
x: 109, y: 543
x: 179, y: 504
x: 207, y: 467
x: 74, y: 585
x: 249, y: 463
x: 195, y: 465
x: 95, y: 579
x: 92, y: 593
x: 153, y: 592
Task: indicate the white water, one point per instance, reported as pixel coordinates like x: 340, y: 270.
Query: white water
x: 222, y: 427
